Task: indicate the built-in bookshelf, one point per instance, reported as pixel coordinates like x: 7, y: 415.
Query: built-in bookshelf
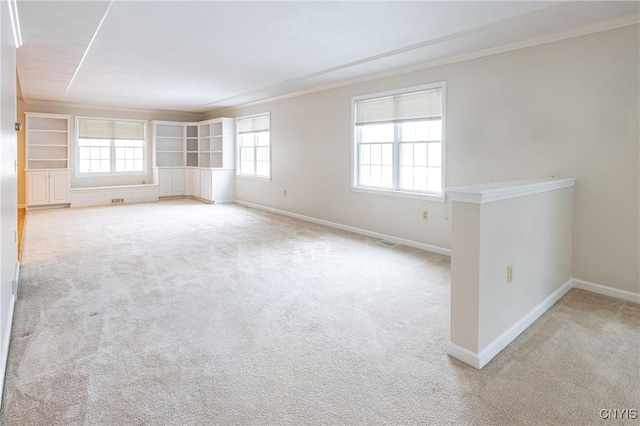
x: 47, y: 141
x: 169, y: 144
x: 192, y: 145
x: 207, y: 144
x: 195, y: 159
x: 47, y: 159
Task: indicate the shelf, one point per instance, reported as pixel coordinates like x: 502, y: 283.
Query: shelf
x: 48, y: 124
x: 160, y: 152
x: 48, y: 131
x: 47, y: 145
x: 47, y: 159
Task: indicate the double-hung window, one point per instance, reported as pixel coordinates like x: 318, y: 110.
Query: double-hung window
x: 399, y: 141
x: 254, y: 146
x: 107, y: 146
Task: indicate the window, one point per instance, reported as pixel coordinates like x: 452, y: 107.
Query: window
x: 110, y: 146
x: 398, y: 141
x: 254, y: 152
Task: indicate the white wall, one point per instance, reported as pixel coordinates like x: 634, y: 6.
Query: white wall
x: 568, y: 108
x: 83, y: 182
x: 532, y: 233
x: 8, y: 195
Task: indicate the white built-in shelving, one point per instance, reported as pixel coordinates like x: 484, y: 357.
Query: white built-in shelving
x: 47, y: 159
x: 195, y: 159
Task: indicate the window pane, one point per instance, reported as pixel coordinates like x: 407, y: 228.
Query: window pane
x: 434, y: 179
x: 365, y: 154
x: 435, y: 155
x: 420, y: 154
x: 372, y: 133
x: 419, y: 179
x: 387, y: 154
x: 434, y: 130
x: 247, y: 160
x: 247, y: 139
x: 263, y: 138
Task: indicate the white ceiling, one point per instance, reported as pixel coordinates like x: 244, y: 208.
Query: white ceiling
x: 203, y: 55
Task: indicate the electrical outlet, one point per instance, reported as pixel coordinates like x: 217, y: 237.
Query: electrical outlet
x: 425, y: 214
x: 509, y: 273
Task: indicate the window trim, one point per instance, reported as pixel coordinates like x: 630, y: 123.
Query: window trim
x: 238, y: 158
x: 113, y: 173
x: 354, y: 145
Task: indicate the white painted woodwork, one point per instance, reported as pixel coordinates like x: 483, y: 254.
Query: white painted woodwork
x: 525, y: 226
x: 37, y: 188
x: 47, y: 159
x: 47, y: 141
x: 206, y: 185
x: 95, y: 196
x: 195, y: 182
x: 177, y: 181
x: 47, y: 187
x: 59, y: 188
x: 195, y: 159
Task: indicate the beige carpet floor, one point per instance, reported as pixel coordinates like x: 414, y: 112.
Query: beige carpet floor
x: 179, y: 312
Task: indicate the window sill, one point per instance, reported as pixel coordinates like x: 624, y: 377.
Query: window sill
x: 248, y: 177
x: 102, y: 175
x: 400, y: 194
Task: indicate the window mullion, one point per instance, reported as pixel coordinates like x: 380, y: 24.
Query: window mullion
x: 396, y: 156
x: 112, y: 160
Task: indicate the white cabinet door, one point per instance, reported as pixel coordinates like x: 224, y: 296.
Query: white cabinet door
x: 195, y: 182
x: 206, y: 188
x: 37, y: 188
x: 188, y: 182
x: 177, y: 182
x: 164, y: 182
x: 59, y: 188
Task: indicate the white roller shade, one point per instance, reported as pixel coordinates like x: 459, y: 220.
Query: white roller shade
x: 411, y: 106
x: 253, y: 124
x: 110, y: 129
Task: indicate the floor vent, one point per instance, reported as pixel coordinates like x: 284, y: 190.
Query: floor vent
x: 386, y: 243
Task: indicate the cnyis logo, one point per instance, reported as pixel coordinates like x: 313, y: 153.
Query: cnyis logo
x: 619, y: 414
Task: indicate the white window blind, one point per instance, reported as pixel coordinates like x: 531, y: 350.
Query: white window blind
x: 253, y: 124
x: 405, y: 107
x: 110, y: 146
x: 110, y: 129
x: 398, y: 141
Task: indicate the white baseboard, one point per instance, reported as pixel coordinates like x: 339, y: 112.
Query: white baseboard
x: 391, y: 238
x: 496, y: 346
x: 605, y: 291
x: 501, y: 342
x: 6, y: 339
x: 464, y: 355
x: 6, y: 332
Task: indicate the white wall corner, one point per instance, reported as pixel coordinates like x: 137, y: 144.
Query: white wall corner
x: 464, y: 355
x: 605, y: 290
x: 502, y: 341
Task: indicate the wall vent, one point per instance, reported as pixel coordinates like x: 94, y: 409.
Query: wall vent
x: 386, y: 243
x: 117, y: 200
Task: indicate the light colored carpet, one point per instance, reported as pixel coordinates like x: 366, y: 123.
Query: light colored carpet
x: 186, y: 313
